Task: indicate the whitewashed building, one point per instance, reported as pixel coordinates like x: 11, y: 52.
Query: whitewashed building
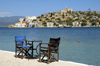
x: 30, y: 18
x: 35, y: 24
x: 18, y: 24
x: 60, y: 25
x: 49, y: 24
x: 21, y: 24
x: 75, y: 24
x: 21, y: 19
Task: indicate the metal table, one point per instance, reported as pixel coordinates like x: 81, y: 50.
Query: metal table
x: 30, y: 42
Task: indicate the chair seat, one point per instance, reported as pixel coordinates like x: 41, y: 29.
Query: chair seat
x: 45, y: 50
x: 24, y: 46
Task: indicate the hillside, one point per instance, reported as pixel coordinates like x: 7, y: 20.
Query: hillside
x: 67, y: 17
x: 6, y: 21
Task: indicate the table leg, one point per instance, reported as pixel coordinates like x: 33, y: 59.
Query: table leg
x: 32, y: 48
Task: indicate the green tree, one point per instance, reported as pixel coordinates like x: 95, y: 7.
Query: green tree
x: 84, y: 20
x: 60, y: 22
x: 44, y: 23
x: 24, y: 19
x: 46, y: 19
x: 93, y: 23
x: 40, y: 19
x: 69, y: 22
x: 58, y: 19
x: 63, y: 15
x: 49, y: 21
x: 53, y: 18
x: 42, y: 15
x: 51, y: 14
x: 99, y: 16
x: 89, y: 9
x: 84, y: 24
x: 34, y: 20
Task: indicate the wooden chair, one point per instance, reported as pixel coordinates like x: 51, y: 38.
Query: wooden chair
x: 21, y: 46
x: 49, y: 51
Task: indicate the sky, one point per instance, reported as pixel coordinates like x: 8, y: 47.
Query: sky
x: 38, y: 7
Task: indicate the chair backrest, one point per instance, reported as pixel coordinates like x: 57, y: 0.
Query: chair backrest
x: 54, y: 42
x: 20, y: 38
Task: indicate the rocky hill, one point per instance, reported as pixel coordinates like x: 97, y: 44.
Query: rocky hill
x: 67, y: 17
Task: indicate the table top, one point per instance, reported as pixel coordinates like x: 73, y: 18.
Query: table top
x: 34, y: 40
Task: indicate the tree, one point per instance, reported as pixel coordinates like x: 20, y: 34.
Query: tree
x: 53, y: 18
x: 69, y: 22
x: 60, y: 22
x: 40, y: 19
x: 49, y: 21
x: 89, y: 9
x: 46, y: 19
x: 58, y: 19
x: 42, y: 15
x: 51, y: 14
x: 93, y: 23
x: 99, y: 15
x: 63, y: 15
x: 34, y: 20
x: 44, y: 23
x: 77, y: 19
x: 83, y: 20
x: 24, y: 19
x: 84, y: 24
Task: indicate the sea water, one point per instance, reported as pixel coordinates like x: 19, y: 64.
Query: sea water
x: 80, y: 45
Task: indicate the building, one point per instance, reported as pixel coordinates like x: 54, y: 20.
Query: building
x: 49, y: 24
x: 30, y: 18
x: 18, y: 24
x: 46, y: 14
x: 21, y: 24
x: 31, y: 25
x: 35, y: 24
x: 60, y: 25
x: 75, y: 24
x: 94, y: 17
x: 66, y: 10
x: 62, y: 11
x: 21, y: 19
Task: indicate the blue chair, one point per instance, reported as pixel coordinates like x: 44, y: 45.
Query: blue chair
x: 20, y: 45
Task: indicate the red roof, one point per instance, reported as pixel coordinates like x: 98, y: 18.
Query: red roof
x: 23, y: 22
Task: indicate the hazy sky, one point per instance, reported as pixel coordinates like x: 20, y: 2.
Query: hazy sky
x: 38, y: 7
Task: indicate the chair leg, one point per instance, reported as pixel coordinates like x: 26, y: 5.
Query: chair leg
x: 16, y: 53
x: 39, y: 57
x: 58, y: 56
x: 48, y: 57
x: 22, y: 54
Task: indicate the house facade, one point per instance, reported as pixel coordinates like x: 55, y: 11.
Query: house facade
x: 49, y: 24
x: 21, y: 24
x: 35, y: 24
x: 75, y: 24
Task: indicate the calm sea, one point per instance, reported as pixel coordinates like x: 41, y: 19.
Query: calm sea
x: 87, y: 51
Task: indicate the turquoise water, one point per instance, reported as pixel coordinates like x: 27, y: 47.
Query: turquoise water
x: 87, y: 51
